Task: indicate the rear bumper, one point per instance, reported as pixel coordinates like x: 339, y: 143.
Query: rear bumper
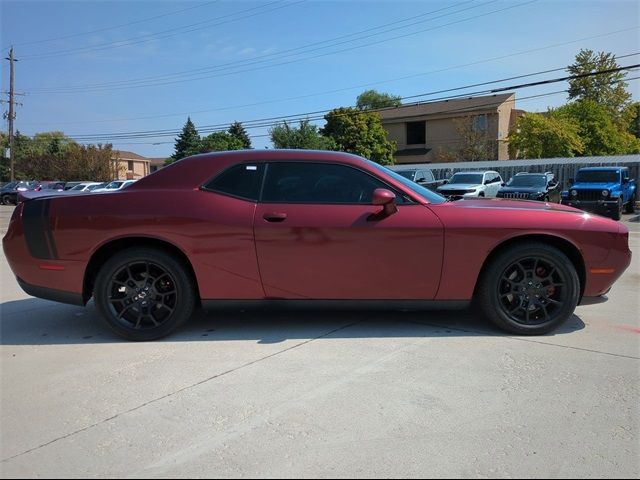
x: 51, y: 294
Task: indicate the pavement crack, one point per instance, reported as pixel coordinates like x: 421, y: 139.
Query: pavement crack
x: 180, y: 390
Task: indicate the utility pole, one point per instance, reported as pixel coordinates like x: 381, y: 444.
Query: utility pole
x: 11, y: 115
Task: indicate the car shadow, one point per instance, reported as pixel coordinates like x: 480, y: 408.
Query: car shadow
x: 41, y: 322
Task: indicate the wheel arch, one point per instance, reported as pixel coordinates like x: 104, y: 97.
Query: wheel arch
x: 562, y: 244
x: 107, y: 249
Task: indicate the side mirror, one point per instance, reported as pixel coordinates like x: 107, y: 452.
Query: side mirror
x: 386, y: 199
x: 625, y: 181
x: 502, y: 184
x: 421, y: 179
x: 570, y: 181
x: 487, y: 182
x: 444, y: 182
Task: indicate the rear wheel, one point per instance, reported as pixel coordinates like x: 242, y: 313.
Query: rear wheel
x: 144, y: 294
x: 6, y: 200
x: 529, y: 289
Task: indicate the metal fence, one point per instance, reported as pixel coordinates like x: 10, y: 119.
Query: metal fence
x: 562, y: 168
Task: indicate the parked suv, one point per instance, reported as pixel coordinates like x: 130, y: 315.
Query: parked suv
x: 9, y: 193
x: 471, y: 184
x: 531, y: 186
x: 602, y: 190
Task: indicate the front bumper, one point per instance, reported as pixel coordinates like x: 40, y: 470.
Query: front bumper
x: 606, y: 207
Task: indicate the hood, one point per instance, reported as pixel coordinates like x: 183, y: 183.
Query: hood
x: 522, y: 190
x: 459, y: 186
x: 595, y: 186
x: 508, y: 204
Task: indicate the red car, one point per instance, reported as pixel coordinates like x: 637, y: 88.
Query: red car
x: 311, y: 228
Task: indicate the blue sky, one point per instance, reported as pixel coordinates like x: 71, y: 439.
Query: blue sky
x: 98, y: 67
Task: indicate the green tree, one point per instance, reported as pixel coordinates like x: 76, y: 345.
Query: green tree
x: 219, y: 142
x: 631, y: 117
x: 187, y: 142
x: 237, y: 130
x: 361, y: 133
x: 599, y: 133
x: 372, y: 99
x: 304, y: 137
x: 539, y: 136
x: 608, y: 89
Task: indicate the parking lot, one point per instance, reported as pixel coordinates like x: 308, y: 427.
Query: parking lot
x: 320, y: 394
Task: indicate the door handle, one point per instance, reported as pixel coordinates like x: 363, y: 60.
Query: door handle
x: 275, y: 216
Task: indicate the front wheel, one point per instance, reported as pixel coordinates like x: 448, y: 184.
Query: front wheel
x: 631, y: 205
x: 617, y: 213
x: 528, y: 289
x: 6, y: 200
x: 144, y: 293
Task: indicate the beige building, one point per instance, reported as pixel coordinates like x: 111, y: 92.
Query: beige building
x: 156, y: 163
x: 452, y: 130
x: 129, y: 166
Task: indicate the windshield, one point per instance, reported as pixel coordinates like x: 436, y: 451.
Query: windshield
x: 407, y: 173
x: 79, y: 187
x: 94, y: 187
x: 528, y: 181
x: 10, y: 185
x: 472, y: 178
x: 419, y: 189
x: 113, y: 185
x: 598, y: 176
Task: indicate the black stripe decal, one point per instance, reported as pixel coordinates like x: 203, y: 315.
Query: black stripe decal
x: 37, y: 229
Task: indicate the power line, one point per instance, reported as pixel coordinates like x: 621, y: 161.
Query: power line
x: 139, y: 84
x: 142, y: 20
x: 275, y: 120
x: 303, y: 47
x: 371, y: 84
x: 158, y: 35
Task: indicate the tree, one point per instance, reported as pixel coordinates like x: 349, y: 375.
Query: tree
x: 187, y: 142
x: 631, y: 117
x: 361, y: 133
x: 608, y: 89
x: 372, y: 99
x: 237, y: 130
x: 597, y: 130
x: 539, y: 136
x: 304, y: 137
x: 219, y: 142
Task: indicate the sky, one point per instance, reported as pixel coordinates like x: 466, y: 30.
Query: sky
x: 103, y: 70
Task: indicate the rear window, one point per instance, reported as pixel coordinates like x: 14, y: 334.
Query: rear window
x: 242, y: 181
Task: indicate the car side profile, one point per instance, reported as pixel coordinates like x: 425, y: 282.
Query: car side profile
x: 309, y: 228
x: 471, y: 184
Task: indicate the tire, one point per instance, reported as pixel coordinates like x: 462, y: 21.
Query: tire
x: 6, y: 200
x: 630, y: 207
x: 144, y: 293
x: 617, y: 213
x: 528, y: 289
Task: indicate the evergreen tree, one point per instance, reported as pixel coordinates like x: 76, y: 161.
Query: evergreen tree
x: 237, y: 130
x: 187, y: 142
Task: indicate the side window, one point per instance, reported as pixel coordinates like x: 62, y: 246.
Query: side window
x: 243, y: 181
x: 300, y: 182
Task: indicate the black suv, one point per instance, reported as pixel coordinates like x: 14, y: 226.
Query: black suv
x: 531, y: 186
x: 9, y: 192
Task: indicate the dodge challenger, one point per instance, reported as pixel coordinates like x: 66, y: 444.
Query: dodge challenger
x: 312, y: 228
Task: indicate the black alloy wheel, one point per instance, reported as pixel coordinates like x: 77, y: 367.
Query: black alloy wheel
x: 530, y: 288
x: 144, y: 294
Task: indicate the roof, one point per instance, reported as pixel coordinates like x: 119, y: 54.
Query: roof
x: 126, y: 155
x: 603, y: 168
x: 157, y: 160
x: 456, y: 106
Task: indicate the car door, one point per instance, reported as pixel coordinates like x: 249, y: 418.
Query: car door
x: 316, y: 239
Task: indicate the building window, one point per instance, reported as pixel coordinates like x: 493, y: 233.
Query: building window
x: 416, y: 133
x: 480, y: 123
x: 130, y: 165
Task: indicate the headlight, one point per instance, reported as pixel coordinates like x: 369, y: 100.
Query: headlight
x: 574, y: 193
x: 605, y: 193
x: 535, y: 195
x: 470, y: 191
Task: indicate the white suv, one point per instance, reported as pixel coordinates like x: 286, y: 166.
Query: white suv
x: 472, y: 184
